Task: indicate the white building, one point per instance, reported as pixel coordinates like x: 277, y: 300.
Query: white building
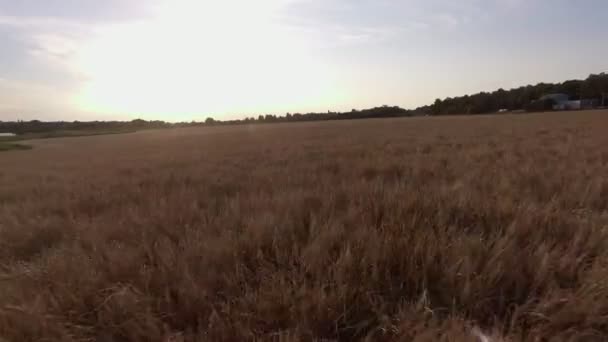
x: 4, y: 135
x: 560, y: 101
x: 563, y: 102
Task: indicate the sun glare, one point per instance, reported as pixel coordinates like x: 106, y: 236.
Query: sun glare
x: 204, y: 58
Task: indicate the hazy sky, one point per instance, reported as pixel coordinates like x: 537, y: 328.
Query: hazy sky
x: 186, y: 59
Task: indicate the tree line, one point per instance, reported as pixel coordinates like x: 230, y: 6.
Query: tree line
x: 377, y: 112
x: 37, y: 126
x: 595, y: 88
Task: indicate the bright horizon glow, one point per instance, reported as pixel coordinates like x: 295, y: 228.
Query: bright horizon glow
x: 226, y: 62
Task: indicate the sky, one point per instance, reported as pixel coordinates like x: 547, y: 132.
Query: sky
x: 182, y: 60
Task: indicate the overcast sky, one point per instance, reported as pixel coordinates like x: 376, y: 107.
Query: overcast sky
x: 187, y: 59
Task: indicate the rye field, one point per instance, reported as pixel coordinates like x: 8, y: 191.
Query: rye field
x: 422, y: 229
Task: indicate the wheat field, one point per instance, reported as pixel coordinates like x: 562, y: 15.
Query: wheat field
x: 421, y: 229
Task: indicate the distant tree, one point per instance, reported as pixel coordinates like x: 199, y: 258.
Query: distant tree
x: 436, y: 108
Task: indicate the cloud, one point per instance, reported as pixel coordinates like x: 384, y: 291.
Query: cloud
x: 42, y: 46
x: 19, y: 22
x: 367, y: 21
x: 38, y: 77
x: 30, y: 99
x: 84, y: 11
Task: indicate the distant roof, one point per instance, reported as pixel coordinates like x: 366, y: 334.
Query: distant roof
x: 556, y: 97
x: 7, y: 134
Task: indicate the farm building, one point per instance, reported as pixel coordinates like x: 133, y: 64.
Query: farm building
x: 3, y: 135
x: 563, y: 102
x: 560, y: 101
